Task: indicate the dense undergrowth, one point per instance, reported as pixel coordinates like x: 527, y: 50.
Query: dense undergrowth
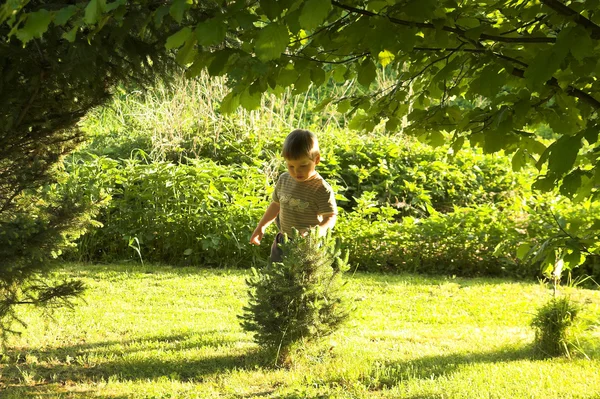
x: 187, y: 185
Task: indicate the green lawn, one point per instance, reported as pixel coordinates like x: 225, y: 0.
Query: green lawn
x: 162, y: 332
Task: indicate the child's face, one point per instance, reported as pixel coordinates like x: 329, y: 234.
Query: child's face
x: 302, y: 169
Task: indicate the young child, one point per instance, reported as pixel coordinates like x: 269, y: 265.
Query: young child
x: 302, y: 199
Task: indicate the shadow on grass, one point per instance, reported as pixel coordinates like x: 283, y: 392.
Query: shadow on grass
x: 391, y: 373
x: 41, y: 392
x: 177, y: 357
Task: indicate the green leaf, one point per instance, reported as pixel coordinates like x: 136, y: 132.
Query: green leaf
x: 361, y: 122
x: 523, y: 250
x: 200, y: 62
x: 271, y: 42
x: 495, y: 140
x: 211, y: 32
x: 339, y: 73
x: 287, y: 76
x: 367, y: 73
x: 37, y: 23
x: 271, y: 8
x: 64, y: 14
x: 571, y: 183
x: 376, y: 5
x: 229, y: 104
x: 186, y: 54
x: 407, y: 38
x: 343, y: 106
x: 420, y: 9
x: 591, y: 134
x: 490, y: 81
x: 314, y: 12
x: 71, y: 34
x: 93, y: 10
x: 317, y: 75
x: 541, y: 69
x: 319, y: 107
x: 250, y: 101
x: 563, y: 154
x: 577, y: 41
x: 115, y: 4
x: 519, y: 160
x: 392, y: 124
x: 474, y: 33
x: 533, y: 146
x: 436, y: 138
x: 544, y: 184
x: 457, y: 144
x: 573, y: 259
x: 177, y: 40
x: 177, y: 9
x: 303, y: 82
x: 219, y: 61
x: 468, y: 22
x: 160, y: 13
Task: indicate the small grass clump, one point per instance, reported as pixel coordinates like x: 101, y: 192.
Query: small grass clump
x: 553, y: 325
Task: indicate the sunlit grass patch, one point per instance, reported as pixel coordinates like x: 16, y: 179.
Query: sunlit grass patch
x: 163, y: 332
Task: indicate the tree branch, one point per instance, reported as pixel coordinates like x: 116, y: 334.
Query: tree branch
x: 565, y: 10
x: 571, y: 91
x: 525, y: 25
x: 327, y: 62
x: 455, y: 30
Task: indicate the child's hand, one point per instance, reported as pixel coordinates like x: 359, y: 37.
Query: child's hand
x: 257, y: 236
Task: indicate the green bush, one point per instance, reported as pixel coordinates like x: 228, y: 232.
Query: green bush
x: 558, y: 227
x: 413, y: 176
x: 474, y: 241
x: 404, y: 205
x: 301, y: 298
x: 199, y: 213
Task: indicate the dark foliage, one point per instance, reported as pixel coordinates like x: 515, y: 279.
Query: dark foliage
x: 46, y: 87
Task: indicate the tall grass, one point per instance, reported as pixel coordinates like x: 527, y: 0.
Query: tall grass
x: 183, y: 119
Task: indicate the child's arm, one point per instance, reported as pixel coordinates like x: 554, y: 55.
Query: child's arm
x: 327, y: 223
x: 268, y: 218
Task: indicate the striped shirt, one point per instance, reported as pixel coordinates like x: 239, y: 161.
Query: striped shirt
x: 301, y: 203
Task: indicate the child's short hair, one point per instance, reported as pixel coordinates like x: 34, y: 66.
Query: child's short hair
x: 300, y: 143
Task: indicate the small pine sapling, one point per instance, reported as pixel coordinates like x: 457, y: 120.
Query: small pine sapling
x: 301, y: 298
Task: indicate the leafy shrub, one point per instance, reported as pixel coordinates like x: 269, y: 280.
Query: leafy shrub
x: 561, y: 228
x: 405, y: 205
x: 200, y: 213
x: 475, y: 241
x: 413, y: 176
x: 300, y: 298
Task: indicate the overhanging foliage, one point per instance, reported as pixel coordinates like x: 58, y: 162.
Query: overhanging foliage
x: 516, y: 63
